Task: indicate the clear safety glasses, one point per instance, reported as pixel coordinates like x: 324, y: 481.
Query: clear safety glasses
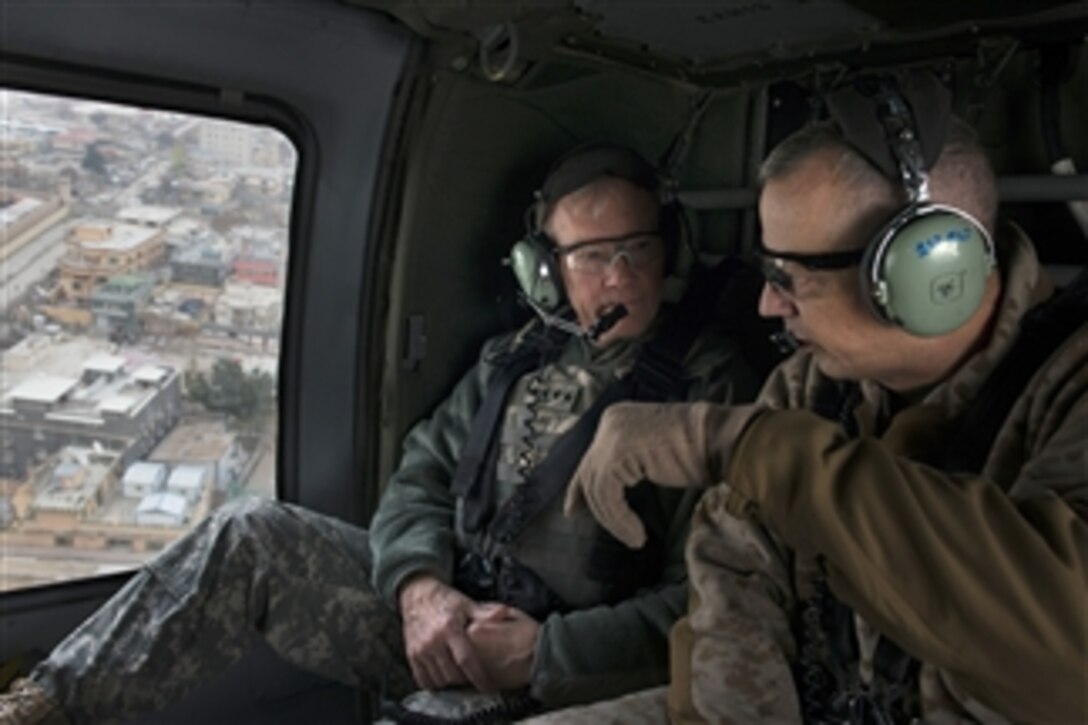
x: 595, y: 256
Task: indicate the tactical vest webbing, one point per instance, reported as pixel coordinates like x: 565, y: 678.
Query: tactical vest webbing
x: 827, y: 623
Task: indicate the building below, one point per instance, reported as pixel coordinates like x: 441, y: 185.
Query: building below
x: 118, y: 305
x: 83, y: 499
x: 201, y: 265
x: 100, y: 251
x: 204, y: 446
x: 106, y: 405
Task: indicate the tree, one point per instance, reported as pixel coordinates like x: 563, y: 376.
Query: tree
x: 245, y: 397
x: 179, y: 159
x: 94, y: 161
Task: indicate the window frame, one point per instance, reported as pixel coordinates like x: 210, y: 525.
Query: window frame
x: 300, y: 422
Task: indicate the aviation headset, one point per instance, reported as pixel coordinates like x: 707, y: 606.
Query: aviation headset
x: 926, y: 269
x: 534, y: 258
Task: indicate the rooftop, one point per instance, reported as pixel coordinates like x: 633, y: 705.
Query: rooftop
x: 120, y: 404
x: 121, y: 237
x: 104, y: 364
x: 148, y: 215
x: 148, y: 474
x: 203, y: 441
x: 9, y: 214
x: 43, y: 389
x: 51, y: 373
x: 245, y: 294
x: 57, y: 489
x: 151, y: 374
x: 188, y: 477
x: 170, y: 504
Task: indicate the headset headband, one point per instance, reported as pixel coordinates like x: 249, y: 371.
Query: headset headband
x: 897, y: 118
x: 915, y: 101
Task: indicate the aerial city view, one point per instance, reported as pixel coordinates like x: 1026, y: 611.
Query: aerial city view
x: 142, y: 274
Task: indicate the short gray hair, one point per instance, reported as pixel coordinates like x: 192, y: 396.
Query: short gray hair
x: 962, y: 176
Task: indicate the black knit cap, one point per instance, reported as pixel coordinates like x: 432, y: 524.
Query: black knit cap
x: 590, y: 162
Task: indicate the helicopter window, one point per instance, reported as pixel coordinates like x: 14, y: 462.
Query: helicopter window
x: 141, y: 303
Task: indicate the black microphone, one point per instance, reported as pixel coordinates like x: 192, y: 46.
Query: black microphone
x: 785, y: 342
x: 606, y: 322
x: 603, y: 324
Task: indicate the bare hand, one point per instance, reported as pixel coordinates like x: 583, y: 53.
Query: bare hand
x: 440, y: 654
x: 505, y: 639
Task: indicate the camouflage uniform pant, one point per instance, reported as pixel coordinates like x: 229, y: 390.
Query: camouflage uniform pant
x: 253, y: 569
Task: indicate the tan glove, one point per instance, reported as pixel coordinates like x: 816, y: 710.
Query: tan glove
x: 680, y: 445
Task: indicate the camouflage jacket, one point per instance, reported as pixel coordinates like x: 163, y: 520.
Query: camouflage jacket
x: 591, y: 651
x: 981, y: 577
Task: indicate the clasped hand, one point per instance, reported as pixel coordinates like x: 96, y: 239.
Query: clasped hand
x: 453, y: 640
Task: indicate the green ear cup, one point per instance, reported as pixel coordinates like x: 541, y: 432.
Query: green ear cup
x: 536, y: 274
x: 927, y: 271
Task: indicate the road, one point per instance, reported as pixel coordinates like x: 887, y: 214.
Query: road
x: 31, y: 566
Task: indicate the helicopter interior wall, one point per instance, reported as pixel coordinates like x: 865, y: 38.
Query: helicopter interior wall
x: 1010, y: 122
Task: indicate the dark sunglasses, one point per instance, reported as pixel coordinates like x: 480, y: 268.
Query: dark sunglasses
x: 770, y: 264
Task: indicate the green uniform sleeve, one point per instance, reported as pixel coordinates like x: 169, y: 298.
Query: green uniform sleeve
x: 987, y: 587
x: 413, y: 529
x: 607, y: 651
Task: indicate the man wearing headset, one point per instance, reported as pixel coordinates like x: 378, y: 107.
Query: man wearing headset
x: 849, y: 562
x: 438, y: 594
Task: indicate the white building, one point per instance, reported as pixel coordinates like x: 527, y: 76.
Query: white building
x: 143, y: 479
x: 249, y: 306
x: 227, y: 144
x: 75, y: 392
x: 162, y: 509
x: 189, y: 481
x: 205, y: 444
x: 147, y: 215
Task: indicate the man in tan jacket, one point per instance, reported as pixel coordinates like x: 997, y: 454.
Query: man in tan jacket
x: 841, y: 568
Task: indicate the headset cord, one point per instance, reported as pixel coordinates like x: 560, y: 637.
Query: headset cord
x: 815, y: 684
x: 527, y: 456
x: 508, y: 709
